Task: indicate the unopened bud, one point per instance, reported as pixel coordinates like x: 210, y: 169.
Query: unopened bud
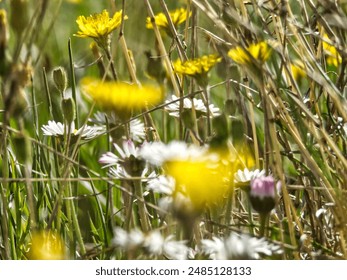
x: 19, y: 15
x: 263, y: 194
x: 59, y: 78
x: 69, y: 110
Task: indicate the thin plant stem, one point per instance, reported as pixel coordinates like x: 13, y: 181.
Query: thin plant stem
x: 144, y: 219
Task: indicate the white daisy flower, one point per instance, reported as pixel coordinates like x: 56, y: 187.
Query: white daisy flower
x: 86, y: 132
x: 129, y: 149
x: 200, y: 108
x: 137, y: 128
x: 162, y: 184
x: 118, y: 172
x: 245, y: 176
x: 238, y: 247
x: 157, y: 153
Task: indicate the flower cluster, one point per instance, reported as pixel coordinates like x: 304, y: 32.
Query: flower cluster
x: 239, y: 247
x: 153, y: 243
x: 200, y: 176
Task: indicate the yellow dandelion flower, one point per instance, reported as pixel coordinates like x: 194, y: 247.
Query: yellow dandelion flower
x: 204, y: 182
x: 178, y: 17
x: 46, y: 246
x: 260, y: 52
x: 333, y: 56
x: 98, y: 26
x: 196, y: 66
x: 121, y: 97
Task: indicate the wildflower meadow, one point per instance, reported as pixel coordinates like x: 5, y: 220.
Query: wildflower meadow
x: 173, y: 129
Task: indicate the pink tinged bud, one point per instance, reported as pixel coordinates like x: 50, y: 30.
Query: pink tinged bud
x: 263, y: 194
x: 263, y: 187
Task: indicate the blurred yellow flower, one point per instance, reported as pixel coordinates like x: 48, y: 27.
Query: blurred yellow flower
x: 260, y: 52
x: 46, y: 246
x: 205, y: 182
x: 298, y: 70
x: 74, y: 1
x: 196, y: 66
x: 121, y: 97
x: 98, y: 26
x: 178, y: 16
x: 333, y: 56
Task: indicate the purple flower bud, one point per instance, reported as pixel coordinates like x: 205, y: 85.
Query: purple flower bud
x: 263, y: 187
x: 263, y: 193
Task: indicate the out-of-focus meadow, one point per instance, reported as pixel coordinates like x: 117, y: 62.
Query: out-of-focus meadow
x: 190, y: 129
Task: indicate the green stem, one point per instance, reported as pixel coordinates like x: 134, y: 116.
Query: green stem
x: 263, y: 219
x: 145, y: 224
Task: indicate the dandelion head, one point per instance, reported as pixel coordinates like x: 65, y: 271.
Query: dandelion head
x: 98, y: 26
x: 46, y: 246
x: 197, y: 68
x: 121, y: 98
x: 177, y: 17
x: 204, y: 182
x: 244, y: 56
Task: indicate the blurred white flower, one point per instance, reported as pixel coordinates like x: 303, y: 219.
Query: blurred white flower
x: 239, y: 247
x: 128, y: 240
x: 176, y: 250
x: 157, y: 153
x: 162, y: 184
x: 119, y: 172
x: 86, y: 132
x: 245, y: 176
x: 153, y: 243
x: 200, y: 108
x: 137, y: 128
x: 156, y: 245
